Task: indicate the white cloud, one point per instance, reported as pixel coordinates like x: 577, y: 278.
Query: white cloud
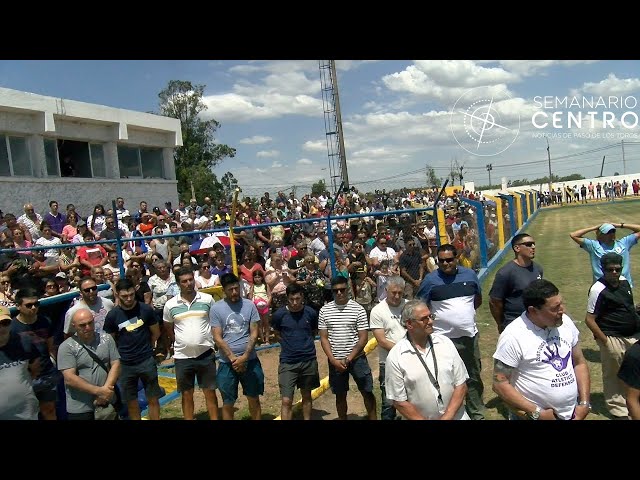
x: 260, y: 170
x: 315, y: 146
x: 611, y: 86
x: 256, y: 140
x: 276, y: 164
x: 528, y: 68
x: 304, y: 161
x: 267, y: 153
x: 232, y: 107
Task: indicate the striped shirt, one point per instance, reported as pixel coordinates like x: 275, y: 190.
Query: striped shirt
x: 191, y: 324
x: 343, y: 323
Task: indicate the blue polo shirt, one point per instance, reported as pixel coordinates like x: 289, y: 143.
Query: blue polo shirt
x: 451, y: 298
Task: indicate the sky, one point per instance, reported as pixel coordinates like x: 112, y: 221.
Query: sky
x: 398, y: 117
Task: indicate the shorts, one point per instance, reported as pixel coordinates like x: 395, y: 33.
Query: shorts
x: 202, y: 367
x: 252, y: 380
x: 262, y: 305
x: 303, y: 375
x: 359, y: 370
x: 145, y: 371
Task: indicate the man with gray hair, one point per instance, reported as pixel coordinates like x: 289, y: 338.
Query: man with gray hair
x: 386, y: 328
x: 612, y: 318
x: 425, y: 376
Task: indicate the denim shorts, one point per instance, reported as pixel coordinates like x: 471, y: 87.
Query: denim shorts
x: 359, y: 370
x: 252, y: 380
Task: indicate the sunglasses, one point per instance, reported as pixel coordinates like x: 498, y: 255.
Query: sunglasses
x: 446, y: 260
x: 527, y: 244
x: 339, y: 290
x: 32, y: 305
x: 5, y: 322
x: 90, y: 289
x: 613, y: 269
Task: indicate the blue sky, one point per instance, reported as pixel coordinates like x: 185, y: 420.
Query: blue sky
x: 398, y: 116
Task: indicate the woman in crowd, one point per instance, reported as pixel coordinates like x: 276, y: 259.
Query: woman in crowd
x: 70, y: 230
x: 96, y: 220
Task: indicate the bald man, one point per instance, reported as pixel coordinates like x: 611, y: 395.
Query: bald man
x: 31, y: 220
x: 87, y: 384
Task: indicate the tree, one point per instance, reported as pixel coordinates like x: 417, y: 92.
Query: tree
x: 199, y: 152
x: 229, y: 184
x: 318, y: 188
x: 432, y: 179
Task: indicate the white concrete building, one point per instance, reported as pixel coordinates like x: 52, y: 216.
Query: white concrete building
x: 81, y: 153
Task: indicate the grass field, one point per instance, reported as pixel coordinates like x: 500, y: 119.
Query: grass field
x: 564, y: 263
x: 568, y: 267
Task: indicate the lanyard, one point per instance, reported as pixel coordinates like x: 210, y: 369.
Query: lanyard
x: 434, y: 380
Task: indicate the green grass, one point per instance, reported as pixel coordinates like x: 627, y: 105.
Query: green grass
x: 568, y: 267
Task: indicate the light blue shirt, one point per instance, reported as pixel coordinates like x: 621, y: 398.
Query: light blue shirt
x: 596, y: 250
x: 235, y: 319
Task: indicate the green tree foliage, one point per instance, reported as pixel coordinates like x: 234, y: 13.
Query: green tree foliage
x: 318, y: 188
x: 199, y: 153
x: 432, y: 179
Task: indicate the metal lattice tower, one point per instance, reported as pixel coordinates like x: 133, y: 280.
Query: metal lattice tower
x: 333, y: 125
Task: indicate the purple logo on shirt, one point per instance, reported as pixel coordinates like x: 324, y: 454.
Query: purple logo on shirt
x: 554, y: 358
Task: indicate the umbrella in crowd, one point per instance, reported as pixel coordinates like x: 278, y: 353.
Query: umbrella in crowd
x: 202, y: 246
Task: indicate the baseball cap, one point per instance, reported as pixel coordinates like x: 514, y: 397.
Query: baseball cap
x: 4, y: 313
x: 606, y: 228
x: 61, y: 275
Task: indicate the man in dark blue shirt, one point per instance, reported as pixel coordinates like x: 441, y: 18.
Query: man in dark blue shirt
x: 135, y: 329
x: 296, y: 326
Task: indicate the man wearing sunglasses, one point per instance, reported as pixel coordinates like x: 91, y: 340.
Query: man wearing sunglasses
x: 90, y: 299
x: 343, y: 329
x: 505, y: 296
x: 612, y: 318
x: 453, y: 295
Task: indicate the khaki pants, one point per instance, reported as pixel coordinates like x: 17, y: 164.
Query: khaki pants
x: 611, y: 355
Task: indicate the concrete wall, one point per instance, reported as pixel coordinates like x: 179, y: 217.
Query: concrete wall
x: 545, y: 186
x: 84, y: 193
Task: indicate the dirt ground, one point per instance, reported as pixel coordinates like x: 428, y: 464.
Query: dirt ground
x: 323, y: 407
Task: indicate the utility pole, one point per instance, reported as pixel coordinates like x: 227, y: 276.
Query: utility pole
x: 549, y: 156
x: 461, y: 177
x: 624, y: 161
x: 489, y: 168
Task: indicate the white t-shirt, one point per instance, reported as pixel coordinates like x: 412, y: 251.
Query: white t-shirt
x: 387, y: 317
x: 407, y: 380
x: 542, y: 358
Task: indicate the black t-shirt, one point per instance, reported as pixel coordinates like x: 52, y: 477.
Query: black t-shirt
x: 629, y: 371
x: 614, y: 308
x: 36, y: 334
x: 144, y: 288
x: 296, y: 262
x: 133, y: 334
x: 508, y: 285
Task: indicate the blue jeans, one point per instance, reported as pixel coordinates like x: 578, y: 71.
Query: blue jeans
x: 387, y: 410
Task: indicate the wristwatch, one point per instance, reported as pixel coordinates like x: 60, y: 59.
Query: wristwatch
x: 586, y: 404
x: 535, y: 415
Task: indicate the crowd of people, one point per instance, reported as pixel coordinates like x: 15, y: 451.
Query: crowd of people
x: 381, y: 272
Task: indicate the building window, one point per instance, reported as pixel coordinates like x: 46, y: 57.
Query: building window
x: 81, y: 159
x: 14, y: 156
x: 140, y: 162
x: 98, y: 167
x: 51, y: 157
